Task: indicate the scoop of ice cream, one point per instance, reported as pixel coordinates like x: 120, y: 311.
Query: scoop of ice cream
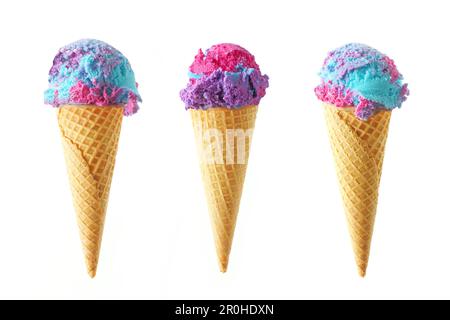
x: 227, y: 76
x: 224, y: 56
x: 91, y: 72
x: 360, y: 76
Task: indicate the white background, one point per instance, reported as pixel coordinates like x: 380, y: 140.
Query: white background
x: 291, y: 239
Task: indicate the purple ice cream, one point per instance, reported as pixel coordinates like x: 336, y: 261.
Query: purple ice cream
x: 91, y: 72
x: 226, y: 76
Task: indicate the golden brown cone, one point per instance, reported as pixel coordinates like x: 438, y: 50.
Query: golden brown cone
x: 224, y: 181
x: 358, y: 149
x: 90, y: 136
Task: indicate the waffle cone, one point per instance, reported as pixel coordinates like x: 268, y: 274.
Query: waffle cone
x: 90, y: 137
x: 358, y: 149
x: 223, y: 168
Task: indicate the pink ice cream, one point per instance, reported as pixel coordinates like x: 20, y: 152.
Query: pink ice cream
x: 226, y: 75
x: 224, y: 56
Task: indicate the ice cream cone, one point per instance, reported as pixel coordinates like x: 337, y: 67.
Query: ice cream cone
x: 358, y: 149
x: 223, y: 167
x: 90, y: 136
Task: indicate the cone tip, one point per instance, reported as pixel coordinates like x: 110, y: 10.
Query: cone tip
x: 91, y: 268
x: 92, y: 273
x: 362, y: 272
x: 223, y: 266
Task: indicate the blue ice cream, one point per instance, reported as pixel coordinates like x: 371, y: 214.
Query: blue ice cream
x: 91, y: 72
x: 359, y: 76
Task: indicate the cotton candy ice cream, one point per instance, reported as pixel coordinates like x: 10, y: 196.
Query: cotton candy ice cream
x: 93, y: 87
x: 360, y: 76
x: 91, y: 72
x: 226, y: 75
x: 222, y: 97
x: 360, y: 87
